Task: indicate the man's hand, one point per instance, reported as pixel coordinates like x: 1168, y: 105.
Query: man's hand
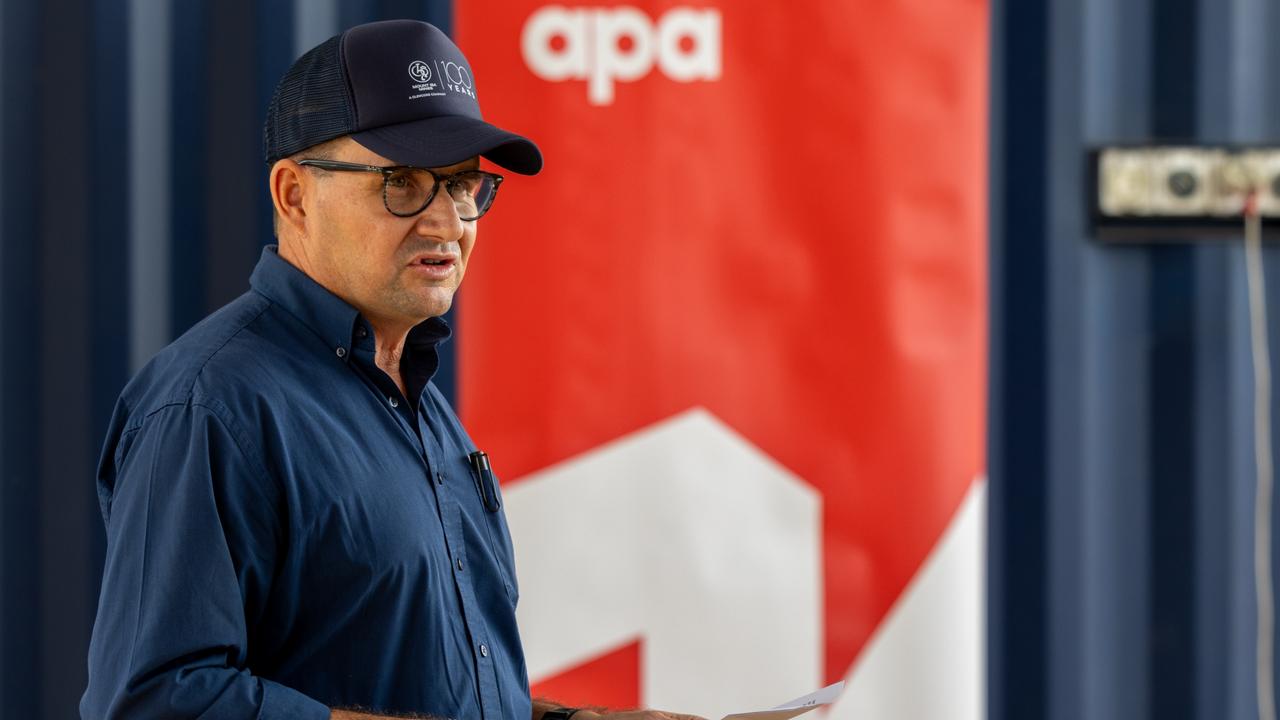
x: 633, y: 715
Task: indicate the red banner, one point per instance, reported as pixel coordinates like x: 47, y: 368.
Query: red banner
x: 771, y: 211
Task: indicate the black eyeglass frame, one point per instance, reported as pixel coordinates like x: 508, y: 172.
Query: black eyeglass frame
x: 387, y: 170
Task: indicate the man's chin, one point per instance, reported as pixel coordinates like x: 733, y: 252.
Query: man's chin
x: 436, y: 304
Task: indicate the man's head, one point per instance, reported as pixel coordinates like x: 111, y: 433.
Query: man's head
x: 396, y: 93
x: 335, y: 226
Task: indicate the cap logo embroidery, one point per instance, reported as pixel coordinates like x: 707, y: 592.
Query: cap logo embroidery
x: 455, y: 75
x: 458, y: 79
x: 420, y: 71
x: 423, y: 87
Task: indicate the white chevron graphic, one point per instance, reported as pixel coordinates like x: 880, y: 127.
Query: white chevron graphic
x: 685, y: 534
x: 927, y: 660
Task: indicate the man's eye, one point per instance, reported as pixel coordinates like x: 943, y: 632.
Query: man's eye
x: 466, y: 184
x: 399, y: 180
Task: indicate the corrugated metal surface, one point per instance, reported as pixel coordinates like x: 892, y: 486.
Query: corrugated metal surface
x: 1121, y: 438
x: 1121, y: 456
x: 132, y: 202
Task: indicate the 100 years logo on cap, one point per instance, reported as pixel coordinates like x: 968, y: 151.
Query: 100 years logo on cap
x: 455, y: 75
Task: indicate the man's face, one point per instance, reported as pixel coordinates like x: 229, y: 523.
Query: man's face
x: 393, y: 269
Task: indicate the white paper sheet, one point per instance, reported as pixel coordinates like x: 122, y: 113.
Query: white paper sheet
x: 792, y: 708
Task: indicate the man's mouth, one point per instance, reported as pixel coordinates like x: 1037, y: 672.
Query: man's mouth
x: 435, y: 267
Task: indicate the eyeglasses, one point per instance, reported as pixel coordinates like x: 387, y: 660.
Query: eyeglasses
x: 408, y: 190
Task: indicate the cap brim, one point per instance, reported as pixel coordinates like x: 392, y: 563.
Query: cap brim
x: 450, y: 139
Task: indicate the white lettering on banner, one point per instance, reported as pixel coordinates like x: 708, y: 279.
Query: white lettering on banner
x: 604, y: 45
x: 690, y: 537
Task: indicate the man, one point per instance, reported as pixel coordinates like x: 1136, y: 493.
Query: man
x: 297, y: 525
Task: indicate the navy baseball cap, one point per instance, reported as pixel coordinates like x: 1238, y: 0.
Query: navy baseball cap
x: 400, y: 88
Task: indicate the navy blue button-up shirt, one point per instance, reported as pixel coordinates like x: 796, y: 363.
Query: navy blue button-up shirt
x: 286, y: 532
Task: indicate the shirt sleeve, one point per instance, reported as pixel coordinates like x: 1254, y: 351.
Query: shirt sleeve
x: 193, y: 533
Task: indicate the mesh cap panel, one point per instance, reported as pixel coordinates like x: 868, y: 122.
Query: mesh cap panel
x: 311, y: 104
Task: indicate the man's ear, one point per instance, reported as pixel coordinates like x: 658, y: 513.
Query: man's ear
x: 289, y: 184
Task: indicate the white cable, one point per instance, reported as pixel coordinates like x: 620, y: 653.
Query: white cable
x: 1262, y: 456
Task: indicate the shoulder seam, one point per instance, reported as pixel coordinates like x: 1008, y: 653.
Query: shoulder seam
x: 205, y: 363
x: 245, y: 444
x: 220, y: 412
x: 187, y: 393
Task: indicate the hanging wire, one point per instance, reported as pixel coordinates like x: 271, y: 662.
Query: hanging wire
x: 1263, y: 459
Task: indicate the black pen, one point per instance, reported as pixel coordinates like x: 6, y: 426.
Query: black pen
x: 486, y: 485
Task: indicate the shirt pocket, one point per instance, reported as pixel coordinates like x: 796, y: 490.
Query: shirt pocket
x: 500, y: 536
x: 492, y: 526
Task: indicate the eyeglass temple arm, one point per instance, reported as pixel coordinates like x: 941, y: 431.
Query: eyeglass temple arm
x: 339, y: 165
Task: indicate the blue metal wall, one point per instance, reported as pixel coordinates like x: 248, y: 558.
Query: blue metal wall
x: 1121, y: 459
x: 1121, y: 453
x: 132, y: 203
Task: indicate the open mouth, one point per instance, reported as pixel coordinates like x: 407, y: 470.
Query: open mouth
x: 434, y: 268
x: 437, y: 262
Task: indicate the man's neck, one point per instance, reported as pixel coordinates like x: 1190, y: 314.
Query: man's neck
x: 389, y: 336
x: 389, y: 339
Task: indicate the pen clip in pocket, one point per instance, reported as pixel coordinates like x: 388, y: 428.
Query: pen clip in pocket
x: 486, y: 483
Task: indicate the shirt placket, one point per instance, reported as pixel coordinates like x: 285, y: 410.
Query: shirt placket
x: 451, y: 520
x: 429, y: 448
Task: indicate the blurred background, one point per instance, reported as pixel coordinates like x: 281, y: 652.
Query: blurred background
x: 807, y: 324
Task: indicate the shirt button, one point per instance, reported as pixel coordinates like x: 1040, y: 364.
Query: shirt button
x: 484, y: 650
x: 394, y: 402
x: 459, y: 564
x: 439, y: 478
x: 361, y: 332
x: 340, y: 351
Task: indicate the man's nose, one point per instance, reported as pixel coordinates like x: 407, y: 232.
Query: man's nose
x: 440, y: 218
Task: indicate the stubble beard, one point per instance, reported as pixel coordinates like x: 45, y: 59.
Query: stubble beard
x: 424, y: 302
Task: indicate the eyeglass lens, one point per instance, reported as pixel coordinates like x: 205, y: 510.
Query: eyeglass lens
x: 408, y: 190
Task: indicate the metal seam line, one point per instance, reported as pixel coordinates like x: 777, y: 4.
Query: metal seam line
x: 314, y: 21
x: 149, y: 181
x: 3, y: 449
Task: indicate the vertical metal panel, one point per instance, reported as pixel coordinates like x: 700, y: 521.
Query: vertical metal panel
x: 1149, y: 472
x: 63, y: 413
x: 21, y: 316
x: 132, y: 201
x: 1172, y: 381
x: 1112, y: 297
x: 1223, y: 546
x: 354, y: 13
x: 1016, y: 597
x: 314, y: 22
x: 4, y: 466
x: 437, y: 13
x: 1237, y: 103
x: 275, y: 23
x: 1063, y: 319
x: 77, y: 344
x: 231, y: 155
x: 188, y: 177
x: 110, y: 282
x: 150, y: 185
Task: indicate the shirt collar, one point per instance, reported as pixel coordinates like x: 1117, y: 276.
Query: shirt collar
x: 326, y: 314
